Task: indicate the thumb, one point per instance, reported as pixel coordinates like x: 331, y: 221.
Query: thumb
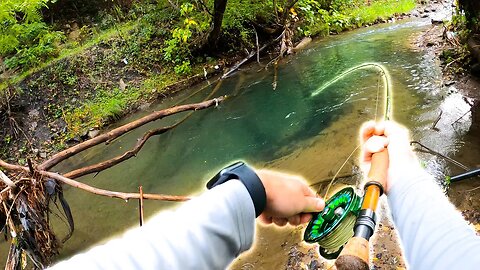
x: 313, y: 204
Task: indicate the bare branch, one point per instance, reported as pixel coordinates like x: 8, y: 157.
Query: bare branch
x: 115, y: 133
x: 451, y: 160
x: 118, y: 159
x: 94, y: 190
x: 253, y: 53
x: 4, y: 178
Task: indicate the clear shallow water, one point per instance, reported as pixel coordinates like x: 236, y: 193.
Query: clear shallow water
x: 285, y: 129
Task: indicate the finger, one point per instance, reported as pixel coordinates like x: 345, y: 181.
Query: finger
x: 374, y: 145
x: 394, y: 129
x: 305, y: 217
x: 294, y: 220
x: 379, y: 129
x: 313, y: 204
x: 280, y: 221
x: 366, y: 131
x: 265, y: 219
x: 307, y: 191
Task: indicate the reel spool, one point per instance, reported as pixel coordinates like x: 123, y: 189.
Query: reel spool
x: 333, y: 227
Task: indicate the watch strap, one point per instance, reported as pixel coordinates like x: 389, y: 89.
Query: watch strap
x: 250, y: 180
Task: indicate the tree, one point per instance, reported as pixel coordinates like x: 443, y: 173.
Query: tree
x: 218, y: 12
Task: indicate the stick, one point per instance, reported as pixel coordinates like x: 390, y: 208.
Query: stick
x: 94, y: 190
x: 115, y: 133
x: 440, y: 155
x: 436, y: 121
x: 96, y: 168
x: 4, y: 178
x: 258, y: 47
x: 234, y: 68
x: 460, y: 117
x: 140, y: 205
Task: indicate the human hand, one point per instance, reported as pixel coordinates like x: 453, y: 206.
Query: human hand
x: 392, y: 136
x: 289, y: 199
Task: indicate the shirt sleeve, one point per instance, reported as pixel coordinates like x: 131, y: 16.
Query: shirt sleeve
x: 433, y: 233
x: 207, y: 232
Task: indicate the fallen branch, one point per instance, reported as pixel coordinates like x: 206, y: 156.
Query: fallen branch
x: 4, y: 178
x: 118, y: 159
x: 440, y: 155
x: 94, y: 190
x: 115, y: 133
x: 250, y: 55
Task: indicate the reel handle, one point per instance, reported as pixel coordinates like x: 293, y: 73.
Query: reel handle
x: 355, y: 254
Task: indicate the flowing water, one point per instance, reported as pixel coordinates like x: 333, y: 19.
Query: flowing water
x: 285, y: 129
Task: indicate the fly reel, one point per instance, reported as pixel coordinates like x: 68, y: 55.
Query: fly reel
x: 333, y: 227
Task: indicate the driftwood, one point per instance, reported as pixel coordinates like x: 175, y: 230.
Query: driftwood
x: 94, y: 190
x: 116, y: 160
x: 115, y: 133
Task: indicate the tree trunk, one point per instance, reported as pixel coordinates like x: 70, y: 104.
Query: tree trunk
x: 219, y: 10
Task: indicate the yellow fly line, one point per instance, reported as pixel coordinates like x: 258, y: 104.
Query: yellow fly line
x: 387, y: 86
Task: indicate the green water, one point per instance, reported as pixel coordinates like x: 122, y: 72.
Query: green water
x: 280, y: 128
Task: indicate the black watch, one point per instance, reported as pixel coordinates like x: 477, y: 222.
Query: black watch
x: 239, y: 170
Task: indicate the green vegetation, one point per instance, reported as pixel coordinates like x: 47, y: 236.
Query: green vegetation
x: 73, y: 68
x: 25, y: 39
x: 345, y: 15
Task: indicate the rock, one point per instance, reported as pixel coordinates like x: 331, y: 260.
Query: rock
x: 424, y: 15
x: 33, y: 125
x: 448, y: 83
x: 93, y: 133
x: 475, y: 70
x: 122, y: 85
x: 144, y: 107
x: 430, y: 44
x: 33, y: 113
x: 43, y: 155
x: 437, y: 21
x: 35, y: 151
x: 415, y: 13
x: 73, y: 140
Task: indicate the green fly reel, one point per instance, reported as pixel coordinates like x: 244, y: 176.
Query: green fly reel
x: 333, y: 227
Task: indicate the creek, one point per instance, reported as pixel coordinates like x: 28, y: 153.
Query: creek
x: 285, y: 129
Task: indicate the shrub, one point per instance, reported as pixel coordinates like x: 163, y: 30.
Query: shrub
x: 25, y: 40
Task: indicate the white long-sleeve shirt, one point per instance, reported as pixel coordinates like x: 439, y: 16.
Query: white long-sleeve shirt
x: 208, y: 232
x: 433, y: 233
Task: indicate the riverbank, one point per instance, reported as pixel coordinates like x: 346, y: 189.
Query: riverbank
x: 74, y: 97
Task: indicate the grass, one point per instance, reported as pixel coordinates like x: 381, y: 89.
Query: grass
x: 71, y: 49
x: 105, y: 107
x: 383, y: 10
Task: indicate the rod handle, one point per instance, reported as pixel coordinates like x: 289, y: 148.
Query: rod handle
x: 379, y: 168
x: 354, y: 255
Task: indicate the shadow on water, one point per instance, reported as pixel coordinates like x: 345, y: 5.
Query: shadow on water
x: 285, y: 129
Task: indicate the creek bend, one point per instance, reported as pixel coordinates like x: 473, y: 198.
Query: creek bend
x: 286, y: 129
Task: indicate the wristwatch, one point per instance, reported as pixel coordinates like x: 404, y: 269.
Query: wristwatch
x: 241, y: 171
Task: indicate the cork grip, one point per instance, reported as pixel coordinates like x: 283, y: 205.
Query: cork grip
x: 355, y: 254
